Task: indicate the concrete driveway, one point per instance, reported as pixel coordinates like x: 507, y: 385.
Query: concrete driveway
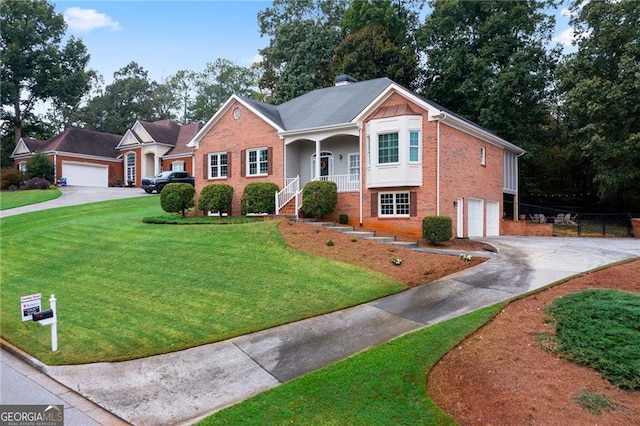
x: 74, y: 195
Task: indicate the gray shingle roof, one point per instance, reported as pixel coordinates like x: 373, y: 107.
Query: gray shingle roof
x: 332, y: 105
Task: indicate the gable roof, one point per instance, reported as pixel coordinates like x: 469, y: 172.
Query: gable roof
x: 185, y: 134
x: 77, y: 141
x: 331, y: 105
x: 162, y: 131
x: 343, y: 105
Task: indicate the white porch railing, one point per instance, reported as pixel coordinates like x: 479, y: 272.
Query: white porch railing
x: 291, y: 190
x: 345, y: 183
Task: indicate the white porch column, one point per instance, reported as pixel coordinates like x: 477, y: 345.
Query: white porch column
x: 156, y: 165
x: 317, y: 171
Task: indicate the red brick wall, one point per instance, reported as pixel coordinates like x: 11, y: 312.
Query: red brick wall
x: 188, y: 164
x: 231, y: 135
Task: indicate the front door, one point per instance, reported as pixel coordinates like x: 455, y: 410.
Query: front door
x: 324, y: 166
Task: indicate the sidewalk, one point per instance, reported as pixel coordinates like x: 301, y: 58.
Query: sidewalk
x: 182, y: 387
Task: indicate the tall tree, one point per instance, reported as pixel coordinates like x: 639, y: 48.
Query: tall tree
x: 379, y: 41
x: 35, y: 65
x: 129, y: 98
x: 489, y: 61
x: 303, y: 34
x: 216, y: 83
x: 601, y: 87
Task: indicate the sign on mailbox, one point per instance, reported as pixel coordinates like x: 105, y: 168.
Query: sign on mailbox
x: 30, y: 305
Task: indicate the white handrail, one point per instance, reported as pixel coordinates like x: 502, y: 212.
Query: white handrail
x: 291, y: 189
x: 345, y: 183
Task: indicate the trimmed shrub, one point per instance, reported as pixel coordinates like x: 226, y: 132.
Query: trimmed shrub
x: 177, y: 198
x: 10, y: 178
x: 343, y: 219
x: 216, y: 198
x: 319, y: 198
x: 36, y: 183
x: 259, y: 197
x: 40, y: 166
x: 436, y: 229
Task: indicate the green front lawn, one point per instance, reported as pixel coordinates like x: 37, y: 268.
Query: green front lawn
x: 385, y: 385
x: 13, y: 199
x: 127, y: 289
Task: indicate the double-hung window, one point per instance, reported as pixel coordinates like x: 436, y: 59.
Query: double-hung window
x: 388, y: 148
x: 258, y: 161
x: 414, y: 146
x: 218, y: 165
x: 394, y: 204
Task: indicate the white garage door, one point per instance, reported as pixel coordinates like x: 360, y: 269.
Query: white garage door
x: 475, y: 218
x: 85, y: 174
x: 493, y: 218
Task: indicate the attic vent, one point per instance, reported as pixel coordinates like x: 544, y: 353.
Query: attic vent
x: 344, y: 79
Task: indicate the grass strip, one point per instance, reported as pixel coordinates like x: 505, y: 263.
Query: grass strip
x: 381, y: 386
x: 13, y: 199
x: 127, y: 289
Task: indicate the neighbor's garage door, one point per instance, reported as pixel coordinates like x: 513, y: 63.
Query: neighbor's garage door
x: 85, y: 174
x: 475, y: 218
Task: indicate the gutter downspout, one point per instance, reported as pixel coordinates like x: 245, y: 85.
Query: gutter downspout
x: 440, y: 117
x: 516, y: 201
x: 360, y: 195
x: 55, y: 167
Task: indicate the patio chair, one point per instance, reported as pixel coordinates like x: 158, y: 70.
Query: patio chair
x: 535, y: 218
x: 560, y: 219
x: 542, y: 218
x: 568, y: 221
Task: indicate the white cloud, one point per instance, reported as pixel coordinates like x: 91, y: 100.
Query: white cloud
x: 566, y: 37
x: 79, y: 19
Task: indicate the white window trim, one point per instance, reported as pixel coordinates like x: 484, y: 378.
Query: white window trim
x: 350, y: 157
x: 419, y: 147
x: 219, y: 166
x: 178, y: 166
x: 132, y: 168
x: 483, y: 156
x: 257, y: 151
x: 391, y: 163
x: 22, y: 166
x: 394, y: 193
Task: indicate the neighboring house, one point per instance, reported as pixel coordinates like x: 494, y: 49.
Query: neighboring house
x: 395, y: 157
x: 81, y: 157
x: 151, y: 147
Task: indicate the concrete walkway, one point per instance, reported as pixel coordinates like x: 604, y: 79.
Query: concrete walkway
x: 182, y: 387
x: 185, y: 386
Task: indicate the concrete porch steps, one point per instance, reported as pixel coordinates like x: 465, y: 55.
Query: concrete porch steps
x: 369, y: 235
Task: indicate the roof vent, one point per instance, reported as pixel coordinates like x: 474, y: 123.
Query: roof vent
x: 344, y: 79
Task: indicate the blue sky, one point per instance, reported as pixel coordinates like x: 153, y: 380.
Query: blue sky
x: 166, y: 36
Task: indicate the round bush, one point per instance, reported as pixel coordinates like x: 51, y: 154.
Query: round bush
x: 319, y: 198
x: 40, y: 166
x: 259, y: 197
x: 436, y: 229
x: 177, y: 198
x: 216, y: 198
x: 36, y: 183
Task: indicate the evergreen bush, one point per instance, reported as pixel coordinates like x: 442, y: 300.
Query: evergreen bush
x: 343, y: 219
x: 177, y: 198
x: 40, y: 166
x: 436, y: 229
x: 216, y: 198
x: 259, y: 197
x: 319, y: 198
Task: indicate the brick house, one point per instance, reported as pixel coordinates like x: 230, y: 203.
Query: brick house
x: 82, y: 157
x: 148, y: 148
x: 395, y: 157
